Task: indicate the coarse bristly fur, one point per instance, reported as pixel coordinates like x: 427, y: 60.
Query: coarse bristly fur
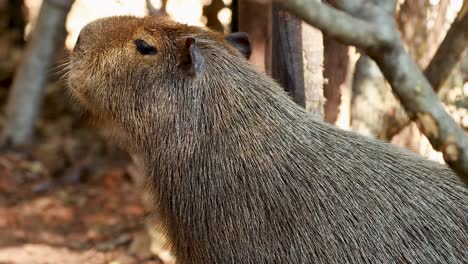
x: 241, y: 174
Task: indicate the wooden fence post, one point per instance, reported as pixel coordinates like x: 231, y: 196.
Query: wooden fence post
x: 295, y: 59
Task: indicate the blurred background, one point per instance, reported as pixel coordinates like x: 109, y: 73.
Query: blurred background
x: 69, y: 196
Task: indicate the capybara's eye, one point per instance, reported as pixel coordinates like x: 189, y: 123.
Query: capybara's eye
x: 144, y: 48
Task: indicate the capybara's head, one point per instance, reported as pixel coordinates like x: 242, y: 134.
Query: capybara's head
x: 133, y: 72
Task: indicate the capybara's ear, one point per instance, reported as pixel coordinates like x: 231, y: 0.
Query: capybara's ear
x: 191, y: 57
x: 240, y: 40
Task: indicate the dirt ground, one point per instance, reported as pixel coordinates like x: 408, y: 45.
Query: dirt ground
x: 71, y: 198
x: 89, y: 221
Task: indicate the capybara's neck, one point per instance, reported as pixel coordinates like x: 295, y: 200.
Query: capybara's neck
x: 225, y: 141
x: 231, y: 150
x: 219, y: 116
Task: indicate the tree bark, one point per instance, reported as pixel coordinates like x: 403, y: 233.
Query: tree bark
x: 374, y: 109
x: 29, y: 83
x: 421, y: 39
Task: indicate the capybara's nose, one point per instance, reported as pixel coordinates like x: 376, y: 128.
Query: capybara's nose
x: 76, y: 48
x: 79, y: 45
x: 85, y: 33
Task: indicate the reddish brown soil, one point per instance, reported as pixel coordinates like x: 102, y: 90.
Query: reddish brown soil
x: 89, y: 221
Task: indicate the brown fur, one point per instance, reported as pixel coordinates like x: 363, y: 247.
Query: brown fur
x: 241, y: 174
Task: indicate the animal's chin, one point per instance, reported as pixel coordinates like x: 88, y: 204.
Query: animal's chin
x: 75, y: 89
x: 80, y: 98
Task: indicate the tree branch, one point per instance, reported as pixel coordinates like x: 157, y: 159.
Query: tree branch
x: 336, y: 23
x: 450, y: 50
x: 381, y: 41
x: 446, y: 57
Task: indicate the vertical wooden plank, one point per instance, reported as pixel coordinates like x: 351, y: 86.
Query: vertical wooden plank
x: 313, y: 57
x: 296, y: 54
x: 336, y: 63
x: 286, y: 53
x: 253, y: 19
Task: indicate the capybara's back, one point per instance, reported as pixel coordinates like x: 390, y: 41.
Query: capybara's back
x: 241, y: 174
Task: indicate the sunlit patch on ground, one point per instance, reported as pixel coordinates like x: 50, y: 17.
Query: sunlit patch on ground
x: 46, y: 254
